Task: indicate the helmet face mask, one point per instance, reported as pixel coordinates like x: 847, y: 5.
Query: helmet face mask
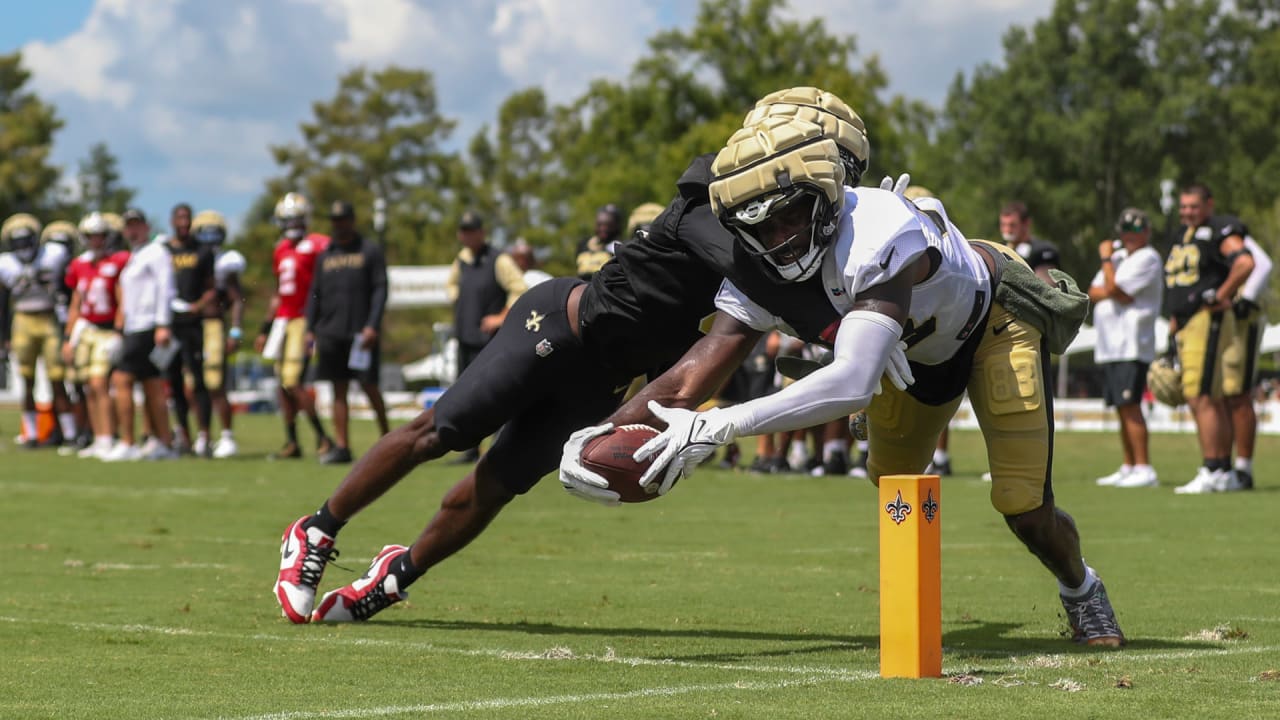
x: 291, y: 215
x: 24, y: 244
x: 781, y: 229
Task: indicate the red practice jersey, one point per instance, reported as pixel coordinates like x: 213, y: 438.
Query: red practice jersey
x: 96, y: 279
x: 295, y: 265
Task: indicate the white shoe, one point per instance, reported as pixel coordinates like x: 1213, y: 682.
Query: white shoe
x: 201, y: 446
x: 1205, y: 481
x: 95, y: 451
x: 225, y: 448
x: 1114, y: 478
x: 160, y: 452
x: 121, y: 452
x: 1137, y: 478
x: 1229, y: 482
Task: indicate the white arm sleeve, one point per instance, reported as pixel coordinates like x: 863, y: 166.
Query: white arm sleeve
x: 1255, y: 285
x: 863, y: 343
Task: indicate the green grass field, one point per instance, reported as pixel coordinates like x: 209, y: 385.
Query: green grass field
x: 143, y: 591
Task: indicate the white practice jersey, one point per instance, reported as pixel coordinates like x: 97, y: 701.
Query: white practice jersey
x: 34, y: 286
x: 228, y: 263
x: 879, y: 236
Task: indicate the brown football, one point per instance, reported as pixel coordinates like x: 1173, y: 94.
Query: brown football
x: 610, y: 456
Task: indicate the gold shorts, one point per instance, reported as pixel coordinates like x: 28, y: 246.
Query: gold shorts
x: 292, y: 365
x: 36, y: 336
x: 94, y: 353
x: 1006, y: 388
x: 1240, y: 362
x: 215, y: 353
x: 1208, y: 366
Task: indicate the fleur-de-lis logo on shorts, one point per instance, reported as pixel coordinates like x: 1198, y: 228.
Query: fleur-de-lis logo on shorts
x: 534, y: 323
x: 899, y: 509
x: 930, y: 507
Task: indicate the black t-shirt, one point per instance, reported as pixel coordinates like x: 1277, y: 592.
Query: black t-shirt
x: 192, y: 275
x: 1196, y: 263
x: 349, y: 291
x: 643, y: 309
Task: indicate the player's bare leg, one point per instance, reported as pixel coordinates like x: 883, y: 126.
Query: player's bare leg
x: 1244, y: 426
x: 374, y: 393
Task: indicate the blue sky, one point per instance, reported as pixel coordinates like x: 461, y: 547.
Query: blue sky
x: 189, y: 94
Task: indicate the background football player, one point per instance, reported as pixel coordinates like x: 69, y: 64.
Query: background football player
x: 1202, y: 273
x: 293, y: 263
x: 92, y: 338
x: 32, y: 272
x: 221, y: 341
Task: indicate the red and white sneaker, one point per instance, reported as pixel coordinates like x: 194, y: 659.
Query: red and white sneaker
x: 366, y: 597
x: 303, y: 554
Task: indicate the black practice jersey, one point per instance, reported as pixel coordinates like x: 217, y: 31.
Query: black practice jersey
x: 1196, y: 263
x: 192, y: 275
x: 644, y: 308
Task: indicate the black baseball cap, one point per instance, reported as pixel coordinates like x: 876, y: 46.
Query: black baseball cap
x: 471, y: 220
x: 341, y: 210
x: 1132, y: 220
x: 133, y: 214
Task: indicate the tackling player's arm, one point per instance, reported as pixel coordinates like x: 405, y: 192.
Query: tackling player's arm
x: 704, y: 368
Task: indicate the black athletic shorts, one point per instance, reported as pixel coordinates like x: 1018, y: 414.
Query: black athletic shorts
x: 190, y: 356
x: 1123, y: 382
x: 136, y: 358
x: 333, y: 356
x: 536, y: 382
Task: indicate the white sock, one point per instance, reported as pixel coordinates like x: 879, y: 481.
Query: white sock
x: 103, y: 441
x: 1244, y: 464
x: 863, y: 445
x: 1142, y: 468
x: 226, y: 435
x: 68, y: 423
x: 1090, y: 577
x: 941, y: 457
x: 831, y: 448
x: 1126, y: 468
x: 29, y: 425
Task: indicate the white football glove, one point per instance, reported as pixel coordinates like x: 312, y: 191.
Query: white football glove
x: 690, y: 438
x: 898, y: 369
x: 899, y: 187
x: 576, y: 479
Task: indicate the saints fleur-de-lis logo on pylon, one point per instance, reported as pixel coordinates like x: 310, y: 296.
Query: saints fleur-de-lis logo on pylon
x: 534, y: 323
x: 899, y: 509
x: 930, y: 507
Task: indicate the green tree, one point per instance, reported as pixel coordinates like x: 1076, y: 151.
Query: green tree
x: 27, y: 127
x: 1094, y: 105
x: 100, y: 183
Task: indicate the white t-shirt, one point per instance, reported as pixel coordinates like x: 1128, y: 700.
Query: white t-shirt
x: 1128, y: 332
x: 146, y: 286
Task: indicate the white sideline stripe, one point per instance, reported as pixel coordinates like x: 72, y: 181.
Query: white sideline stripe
x: 502, y: 703
x: 555, y: 653
x: 175, y: 566
x: 562, y: 654
x: 116, y: 490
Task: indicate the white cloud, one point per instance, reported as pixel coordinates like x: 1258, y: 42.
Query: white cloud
x: 190, y: 93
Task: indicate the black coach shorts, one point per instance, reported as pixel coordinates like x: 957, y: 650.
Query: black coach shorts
x: 136, y: 358
x: 536, y: 382
x: 333, y: 356
x: 1123, y: 382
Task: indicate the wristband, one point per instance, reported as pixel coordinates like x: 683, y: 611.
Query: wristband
x: 234, y: 333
